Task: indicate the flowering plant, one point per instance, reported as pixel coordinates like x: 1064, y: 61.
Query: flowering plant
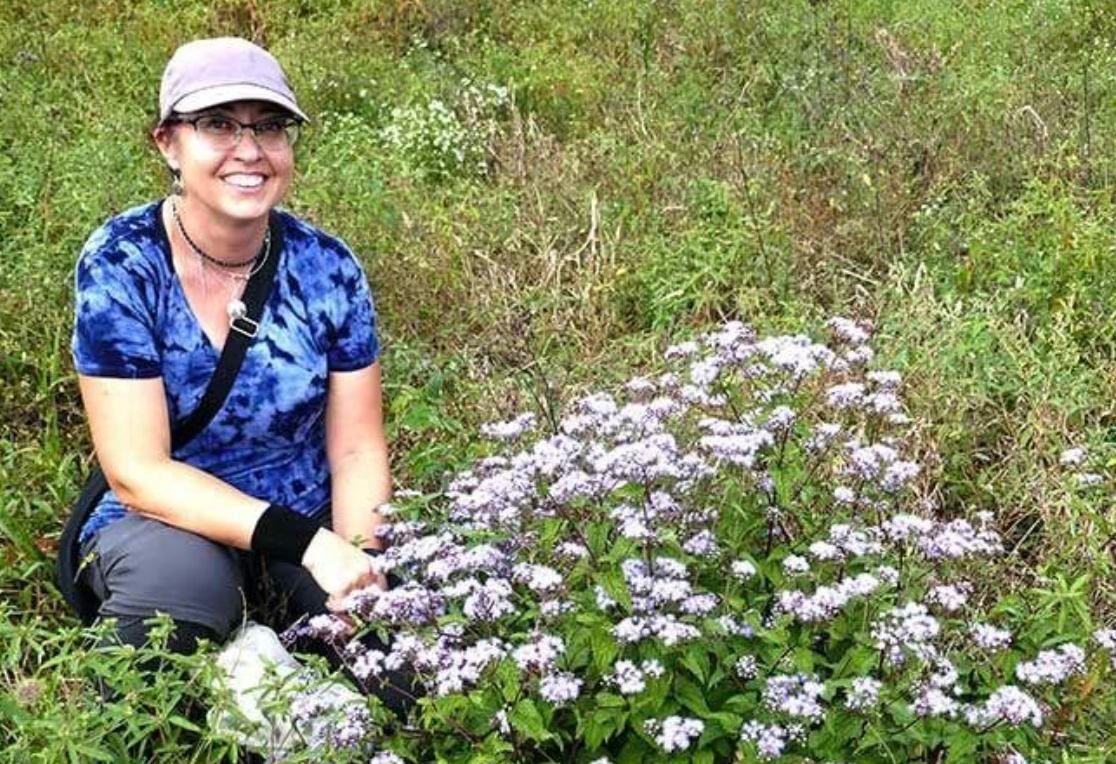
x: 442, y: 140
x: 737, y: 559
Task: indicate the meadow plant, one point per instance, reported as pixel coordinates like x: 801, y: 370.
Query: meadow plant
x: 738, y: 558
x: 444, y: 140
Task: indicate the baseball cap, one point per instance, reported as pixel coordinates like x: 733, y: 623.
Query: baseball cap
x: 205, y: 73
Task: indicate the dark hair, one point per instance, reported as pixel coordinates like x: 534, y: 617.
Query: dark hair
x: 149, y: 137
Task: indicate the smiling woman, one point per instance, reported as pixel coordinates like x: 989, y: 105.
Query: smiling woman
x: 215, y: 299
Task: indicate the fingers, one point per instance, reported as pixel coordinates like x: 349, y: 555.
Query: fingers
x: 365, y: 578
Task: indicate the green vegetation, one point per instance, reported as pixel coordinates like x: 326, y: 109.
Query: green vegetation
x: 546, y: 193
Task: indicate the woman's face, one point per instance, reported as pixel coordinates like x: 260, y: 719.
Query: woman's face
x: 242, y: 182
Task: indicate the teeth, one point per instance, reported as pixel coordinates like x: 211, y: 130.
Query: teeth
x: 244, y: 181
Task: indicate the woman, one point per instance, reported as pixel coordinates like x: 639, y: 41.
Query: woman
x: 299, y: 443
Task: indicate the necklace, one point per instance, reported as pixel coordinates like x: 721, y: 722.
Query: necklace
x: 217, y: 261
x: 236, y: 310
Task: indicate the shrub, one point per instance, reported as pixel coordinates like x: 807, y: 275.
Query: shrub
x: 738, y: 559
x: 440, y: 140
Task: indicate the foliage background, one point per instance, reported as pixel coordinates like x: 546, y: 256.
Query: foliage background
x: 945, y: 169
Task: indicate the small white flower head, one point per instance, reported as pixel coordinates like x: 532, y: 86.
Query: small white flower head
x: 845, y: 396
x: 675, y: 733
x: 559, y: 688
x: 1009, y: 705
x: 701, y: 544
x: 863, y: 694
x: 628, y: 678
x: 603, y: 598
x: 906, y: 630
x: 735, y: 627
x: 747, y: 667
x: 510, y: 430
x: 1052, y: 666
x: 681, y: 350
x: 885, y: 380
x: 825, y: 551
x: 743, y: 569
x: 797, y: 695
x: 386, y: 757
x: 1073, y: 457
x: 1106, y: 639
x: 932, y: 701
x: 849, y: 332
x: 540, y: 654
x: 795, y: 565
x: 571, y: 550
x: 770, y: 740
x: 780, y: 419
x: 949, y: 598
x: 989, y: 637
x: 887, y: 574
x: 1088, y: 479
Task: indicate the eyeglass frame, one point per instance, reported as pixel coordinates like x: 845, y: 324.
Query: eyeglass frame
x: 241, y: 127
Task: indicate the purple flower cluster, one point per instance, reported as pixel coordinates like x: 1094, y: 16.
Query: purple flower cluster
x: 675, y: 733
x: 797, y: 695
x: 631, y: 679
x: 684, y: 511
x: 771, y: 740
x: 1007, y: 704
x: 1052, y: 666
x: 906, y: 630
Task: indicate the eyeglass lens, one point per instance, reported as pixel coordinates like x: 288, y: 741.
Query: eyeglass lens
x: 270, y: 134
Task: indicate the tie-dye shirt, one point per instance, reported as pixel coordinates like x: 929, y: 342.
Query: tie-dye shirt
x: 132, y: 321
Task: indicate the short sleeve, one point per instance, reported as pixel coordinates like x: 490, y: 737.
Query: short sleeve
x: 113, y: 324
x: 353, y: 341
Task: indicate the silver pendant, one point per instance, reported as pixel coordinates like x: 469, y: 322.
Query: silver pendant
x: 238, y: 318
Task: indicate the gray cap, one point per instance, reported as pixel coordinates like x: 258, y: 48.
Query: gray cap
x: 206, y: 73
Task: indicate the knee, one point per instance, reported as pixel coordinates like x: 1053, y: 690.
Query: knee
x: 191, y: 579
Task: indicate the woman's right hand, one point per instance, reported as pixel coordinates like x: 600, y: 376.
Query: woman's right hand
x: 339, y: 567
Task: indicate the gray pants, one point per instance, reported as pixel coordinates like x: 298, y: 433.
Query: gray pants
x: 139, y: 567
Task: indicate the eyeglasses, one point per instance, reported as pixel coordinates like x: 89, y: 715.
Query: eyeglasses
x: 220, y: 132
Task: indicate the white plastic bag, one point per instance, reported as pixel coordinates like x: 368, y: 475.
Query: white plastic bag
x: 258, y: 670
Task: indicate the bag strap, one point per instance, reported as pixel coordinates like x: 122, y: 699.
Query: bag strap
x: 241, y: 333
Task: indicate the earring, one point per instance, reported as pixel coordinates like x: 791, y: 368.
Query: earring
x: 176, y: 183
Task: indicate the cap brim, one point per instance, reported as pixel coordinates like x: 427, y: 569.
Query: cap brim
x: 219, y: 94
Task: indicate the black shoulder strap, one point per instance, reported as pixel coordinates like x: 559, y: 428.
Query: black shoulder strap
x: 236, y: 344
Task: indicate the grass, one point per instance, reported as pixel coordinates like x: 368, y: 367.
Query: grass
x: 945, y: 169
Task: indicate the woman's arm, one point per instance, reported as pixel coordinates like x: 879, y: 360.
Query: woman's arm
x: 129, y: 422
x: 128, y: 419
x: 358, y: 453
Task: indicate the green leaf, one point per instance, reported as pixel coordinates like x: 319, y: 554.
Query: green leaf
x: 703, y: 757
x: 184, y: 723
x: 600, y: 726
x: 635, y: 751
x: 100, y: 754
x: 697, y: 661
x: 609, y: 700
x: 526, y: 718
x: 691, y: 696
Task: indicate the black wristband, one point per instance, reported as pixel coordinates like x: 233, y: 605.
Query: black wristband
x: 283, y: 534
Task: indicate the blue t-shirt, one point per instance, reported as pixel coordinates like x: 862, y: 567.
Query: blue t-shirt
x: 132, y: 320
